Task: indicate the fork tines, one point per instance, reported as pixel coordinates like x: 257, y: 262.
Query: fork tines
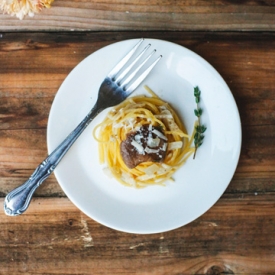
x: 123, y: 76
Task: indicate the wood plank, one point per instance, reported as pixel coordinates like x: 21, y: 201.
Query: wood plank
x: 54, y: 237
x: 164, y: 15
x: 245, y: 60
x: 20, y: 152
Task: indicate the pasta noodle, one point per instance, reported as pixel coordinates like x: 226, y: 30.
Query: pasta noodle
x: 135, y: 113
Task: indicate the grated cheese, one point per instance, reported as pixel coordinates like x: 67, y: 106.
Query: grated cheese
x: 159, y: 134
x: 152, y: 169
x: 139, y: 148
x: 175, y: 145
x: 151, y: 151
x: 153, y: 142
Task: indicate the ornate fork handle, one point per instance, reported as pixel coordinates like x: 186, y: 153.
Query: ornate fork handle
x: 115, y: 88
x: 18, y: 200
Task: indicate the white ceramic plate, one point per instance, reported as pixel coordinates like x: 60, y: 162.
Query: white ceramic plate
x: 198, y: 184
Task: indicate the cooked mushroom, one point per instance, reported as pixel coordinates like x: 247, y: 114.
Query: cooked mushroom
x: 146, y: 144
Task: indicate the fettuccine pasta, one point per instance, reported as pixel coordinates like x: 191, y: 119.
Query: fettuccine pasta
x: 156, y: 116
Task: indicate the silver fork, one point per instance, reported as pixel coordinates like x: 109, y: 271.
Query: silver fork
x: 115, y: 88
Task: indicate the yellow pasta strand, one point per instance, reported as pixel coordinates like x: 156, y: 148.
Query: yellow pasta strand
x: 128, y: 116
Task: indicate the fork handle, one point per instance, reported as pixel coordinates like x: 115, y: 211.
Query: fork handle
x: 18, y: 200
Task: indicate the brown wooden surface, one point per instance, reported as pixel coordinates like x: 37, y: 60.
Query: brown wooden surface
x: 236, y: 236
x: 98, y: 15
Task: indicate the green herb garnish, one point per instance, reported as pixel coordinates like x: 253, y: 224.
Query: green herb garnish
x: 200, y: 129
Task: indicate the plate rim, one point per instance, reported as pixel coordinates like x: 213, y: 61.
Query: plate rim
x: 236, y: 113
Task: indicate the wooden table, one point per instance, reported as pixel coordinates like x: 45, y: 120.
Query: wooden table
x: 236, y: 236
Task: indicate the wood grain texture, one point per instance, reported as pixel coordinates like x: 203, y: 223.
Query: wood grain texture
x: 27, y: 89
x: 125, y: 15
x: 236, y: 236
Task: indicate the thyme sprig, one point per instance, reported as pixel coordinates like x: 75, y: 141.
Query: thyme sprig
x: 199, y: 129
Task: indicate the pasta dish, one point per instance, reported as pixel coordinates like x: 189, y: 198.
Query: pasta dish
x: 142, y: 141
